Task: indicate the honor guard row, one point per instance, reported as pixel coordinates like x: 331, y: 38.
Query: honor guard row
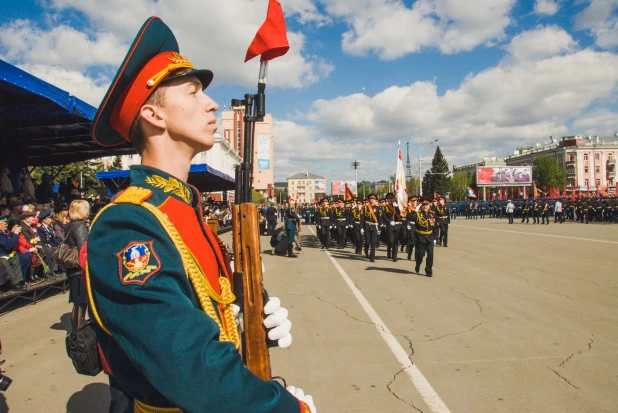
x: 421, y: 224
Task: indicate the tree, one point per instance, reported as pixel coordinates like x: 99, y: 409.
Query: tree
x: 84, y: 172
x: 458, y: 186
x: 438, y: 178
x: 256, y: 197
x: 116, y: 165
x: 281, y: 194
x: 364, y: 189
x: 412, y: 185
x: 547, y: 172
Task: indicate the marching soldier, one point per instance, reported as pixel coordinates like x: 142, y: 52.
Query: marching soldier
x: 404, y: 227
x: 536, y: 212
x: 436, y: 229
x: 410, y: 211
x: 357, y: 227
x: 424, y: 222
x: 341, y: 223
x: 323, y: 222
x: 393, y: 222
x: 158, y: 279
x: 371, y: 222
x: 525, y: 213
x: 443, y: 221
x: 545, y: 213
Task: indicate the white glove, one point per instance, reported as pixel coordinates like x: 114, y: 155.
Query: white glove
x: 362, y: 231
x: 395, y: 204
x: 409, y: 227
x: 278, y: 320
x: 319, y: 226
x: 379, y: 232
x: 392, y: 223
x: 305, y: 398
x: 237, y: 315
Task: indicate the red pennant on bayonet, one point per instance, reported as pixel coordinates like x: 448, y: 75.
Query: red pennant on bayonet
x: 271, y: 40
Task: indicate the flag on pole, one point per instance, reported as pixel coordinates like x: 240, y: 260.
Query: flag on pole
x: 598, y: 192
x: 573, y: 193
x: 518, y: 192
x: 271, y: 40
x: 400, y: 181
x: 534, y: 190
x: 470, y: 193
x: 348, y: 194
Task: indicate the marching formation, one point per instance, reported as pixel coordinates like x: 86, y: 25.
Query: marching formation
x: 365, y: 224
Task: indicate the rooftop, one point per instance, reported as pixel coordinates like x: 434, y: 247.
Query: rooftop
x: 306, y: 175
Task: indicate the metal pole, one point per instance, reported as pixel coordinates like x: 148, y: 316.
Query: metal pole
x: 484, y: 193
x: 420, y: 185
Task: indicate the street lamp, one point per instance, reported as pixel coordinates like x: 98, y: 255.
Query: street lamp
x: 420, y: 177
x: 355, y: 165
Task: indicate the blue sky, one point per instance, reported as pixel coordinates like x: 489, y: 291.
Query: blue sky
x: 482, y: 76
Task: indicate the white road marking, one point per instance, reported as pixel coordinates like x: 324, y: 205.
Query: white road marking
x: 419, y: 381
x: 538, y: 235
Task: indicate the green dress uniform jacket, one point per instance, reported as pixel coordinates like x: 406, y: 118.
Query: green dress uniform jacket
x: 159, y: 290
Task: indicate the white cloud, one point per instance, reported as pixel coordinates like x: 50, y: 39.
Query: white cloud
x: 600, y: 19
x: 89, y: 90
x: 546, y: 7
x: 602, y: 122
x: 519, y: 101
x: 540, y: 43
x: 61, y: 46
x: 214, y: 37
x: 391, y: 29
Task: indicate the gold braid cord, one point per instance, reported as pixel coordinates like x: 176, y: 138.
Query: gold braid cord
x: 206, y: 295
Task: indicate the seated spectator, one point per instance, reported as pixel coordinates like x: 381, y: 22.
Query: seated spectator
x: 47, y: 240
x: 61, y: 219
x: 9, y: 261
x: 26, y: 250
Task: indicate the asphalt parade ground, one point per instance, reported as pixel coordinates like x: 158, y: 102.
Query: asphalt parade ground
x: 516, y: 318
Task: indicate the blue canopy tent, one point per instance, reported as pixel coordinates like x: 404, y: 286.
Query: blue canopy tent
x: 202, y: 176
x: 42, y: 125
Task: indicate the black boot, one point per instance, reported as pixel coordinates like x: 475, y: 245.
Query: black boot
x: 291, y: 251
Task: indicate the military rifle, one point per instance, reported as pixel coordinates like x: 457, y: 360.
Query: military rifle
x: 248, y: 277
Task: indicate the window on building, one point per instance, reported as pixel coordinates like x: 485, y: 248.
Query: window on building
x: 585, y: 157
x: 598, y: 170
x: 585, y: 169
x: 609, y: 156
x: 586, y: 182
x: 572, y: 182
x: 611, y: 181
x: 597, y: 156
x: 598, y: 182
x: 571, y: 157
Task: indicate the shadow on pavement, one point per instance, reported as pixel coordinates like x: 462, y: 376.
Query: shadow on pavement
x: 64, y: 324
x: 93, y: 398
x: 393, y: 270
x: 4, y: 408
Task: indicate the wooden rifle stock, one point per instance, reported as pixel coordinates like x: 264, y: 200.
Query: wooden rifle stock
x: 248, y: 287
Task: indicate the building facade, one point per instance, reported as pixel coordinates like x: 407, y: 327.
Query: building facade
x: 306, y: 187
x: 233, y: 129
x: 222, y: 157
x: 589, y: 162
x: 471, y: 169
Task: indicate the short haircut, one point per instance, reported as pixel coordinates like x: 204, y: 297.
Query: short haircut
x: 136, y: 135
x: 79, y: 210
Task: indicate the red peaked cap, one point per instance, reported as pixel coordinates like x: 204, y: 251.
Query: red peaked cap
x: 271, y: 40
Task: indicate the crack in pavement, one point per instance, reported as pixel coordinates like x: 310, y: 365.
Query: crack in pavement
x: 565, y: 379
x: 408, y: 339
x: 451, y: 334
x: 590, y: 341
x: 388, y: 386
x: 477, y: 301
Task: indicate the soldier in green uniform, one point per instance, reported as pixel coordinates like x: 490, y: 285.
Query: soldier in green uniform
x: 355, y: 215
x: 158, y: 278
x: 292, y: 219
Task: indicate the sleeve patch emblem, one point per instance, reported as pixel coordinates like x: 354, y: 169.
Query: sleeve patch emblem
x: 137, y: 262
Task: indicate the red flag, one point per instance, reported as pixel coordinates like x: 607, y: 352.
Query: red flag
x: 518, y: 193
x: 573, y: 193
x: 598, y: 193
x: 348, y: 194
x: 500, y: 194
x: 271, y: 40
x: 534, y: 190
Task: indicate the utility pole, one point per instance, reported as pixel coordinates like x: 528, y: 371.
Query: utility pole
x: 408, y: 164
